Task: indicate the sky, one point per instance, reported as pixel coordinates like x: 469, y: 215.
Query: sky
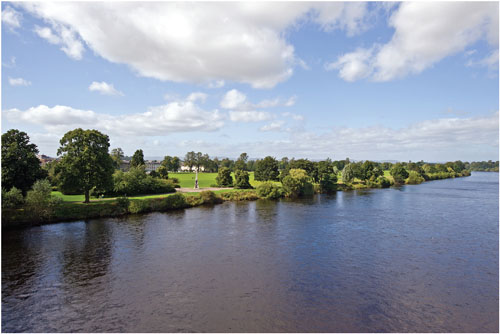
x: 378, y: 80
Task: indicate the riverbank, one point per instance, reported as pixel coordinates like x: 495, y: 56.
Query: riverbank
x: 66, y: 211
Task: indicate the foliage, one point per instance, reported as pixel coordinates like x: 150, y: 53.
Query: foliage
x: 162, y: 172
x: 399, y: 173
x: 297, y: 183
x: 137, y: 159
x: 347, y: 174
x: 139, y: 206
x: 383, y: 182
x: 248, y: 195
x: 269, y: 190
x: 242, y: 180
x: 327, y: 183
x: 137, y: 182
x: 20, y: 165
x: 224, y: 178
x: 414, y: 178
x: 241, y: 163
x: 12, y: 198
x: 123, y: 202
x: 266, y: 169
x: 117, y: 156
x: 39, y: 202
x: 209, y: 197
x: 171, y: 163
x: 306, y: 165
x: 85, y: 163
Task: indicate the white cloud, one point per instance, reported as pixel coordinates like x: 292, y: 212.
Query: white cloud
x: 104, y: 88
x: 11, y: 17
x: 295, y: 117
x: 490, y: 61
x: 197, y: 96
x: 194, y: 42
x: 46, y: 33
x: 19, y: 82
x: 425, y: 33
x: 273, y: 126
x: 62, y: 35
x: 176, y: 116
x: 249, y: 116
x: 216, y: 84
x: 236, y: 100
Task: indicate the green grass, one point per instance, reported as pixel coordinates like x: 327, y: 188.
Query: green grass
x: 186, y: 180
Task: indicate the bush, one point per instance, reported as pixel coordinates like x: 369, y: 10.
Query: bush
x: 269, y: 190
x: 297, y: 183
x: 383, y: 182
x: 242, y: 180
x: 137, y: 182
x: 138, y: 206
x: 224, y: 178
x: 249, y: 195
x: 194, y: 200
x: 12, y: 198
x: 123, y: 202
x: 39, y: 202
x: 414, y: 178
x: 176, y: 201
x: 209, y: 197
x: 399, y: 173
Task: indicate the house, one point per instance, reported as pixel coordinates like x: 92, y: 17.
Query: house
x: 187, y: 169
x: 125, y: 165
x: 152, y: 165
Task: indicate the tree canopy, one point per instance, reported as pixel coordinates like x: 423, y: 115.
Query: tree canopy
x: 266, y: 169
x: 20, y: 165
x: 137, y: 159
x: 85, y: 162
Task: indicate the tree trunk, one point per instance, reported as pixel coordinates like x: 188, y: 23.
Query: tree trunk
x: 87, y: 196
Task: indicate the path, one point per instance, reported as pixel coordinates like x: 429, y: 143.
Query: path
x: 192, y: 190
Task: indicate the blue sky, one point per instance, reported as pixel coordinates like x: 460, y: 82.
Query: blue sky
x: 405, y: 81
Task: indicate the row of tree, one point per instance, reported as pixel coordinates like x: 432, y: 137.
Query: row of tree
x: 86, y: 165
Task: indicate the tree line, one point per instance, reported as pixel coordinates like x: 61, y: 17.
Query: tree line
x: 87, y: 166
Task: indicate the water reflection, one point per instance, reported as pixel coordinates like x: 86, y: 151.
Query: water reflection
x: 421, y: 258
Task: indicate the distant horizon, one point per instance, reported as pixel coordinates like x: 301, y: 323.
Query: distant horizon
x: 370, y: 81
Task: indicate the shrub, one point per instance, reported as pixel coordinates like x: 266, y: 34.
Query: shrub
x: 269, y: 190
x: 39, y: 202
x: 242, y: 180
x: 12, y: 198
x: 137, y: 182
x: 139, y: 206
x: 193, y: 200
x: 176, y: 201
x: 249, y: 195
x: 297, y: 183
x: 209, y: 197
x: 224, y: 178
x: 123, y: 202
x: 414, y: 178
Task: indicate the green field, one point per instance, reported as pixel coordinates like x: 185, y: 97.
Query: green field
x: 205, y: 180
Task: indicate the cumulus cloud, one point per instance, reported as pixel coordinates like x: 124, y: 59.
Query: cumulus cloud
x: 11, y: 17
x: 19, y: 82
x: 193, y: 42
x: 425, y: 33
x: 104, y: 88
x: 176, y: 116
x: 295, y: 117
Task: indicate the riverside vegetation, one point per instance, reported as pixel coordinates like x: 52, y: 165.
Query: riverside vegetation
x: 61, y: 190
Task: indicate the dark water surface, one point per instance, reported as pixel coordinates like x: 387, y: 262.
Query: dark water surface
x: 419, y: 258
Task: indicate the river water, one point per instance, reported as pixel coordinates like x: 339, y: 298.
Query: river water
x: 418, y: 258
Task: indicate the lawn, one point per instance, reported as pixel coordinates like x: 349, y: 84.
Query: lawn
x: 205, y: 180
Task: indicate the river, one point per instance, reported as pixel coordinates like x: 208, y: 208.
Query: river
x: 420, y: 258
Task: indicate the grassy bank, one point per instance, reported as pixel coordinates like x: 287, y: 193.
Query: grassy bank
x: 72, y: 207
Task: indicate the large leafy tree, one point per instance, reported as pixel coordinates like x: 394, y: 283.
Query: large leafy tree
x: 117, y: 155
x: 241, y: 162
x: 85, y: 162
x: 137, y: 159
x: 20, y: 165
x: 267, y: 169
x: 399, y: 173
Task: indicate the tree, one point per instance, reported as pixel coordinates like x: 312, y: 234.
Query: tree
x: 162, y: 172
x: 85, y: 162
x: 241, y: 163
x: 20, y: 165
x: 224, y: 178
x: 137, y: 159
x: 347, y: 174
x: 242, y: 179
x: 190, y: 160
x: 171, y: 163
x: 266, y: 169
x: 297, y: 183
x: 117, y: 155
x: 399, y: 173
